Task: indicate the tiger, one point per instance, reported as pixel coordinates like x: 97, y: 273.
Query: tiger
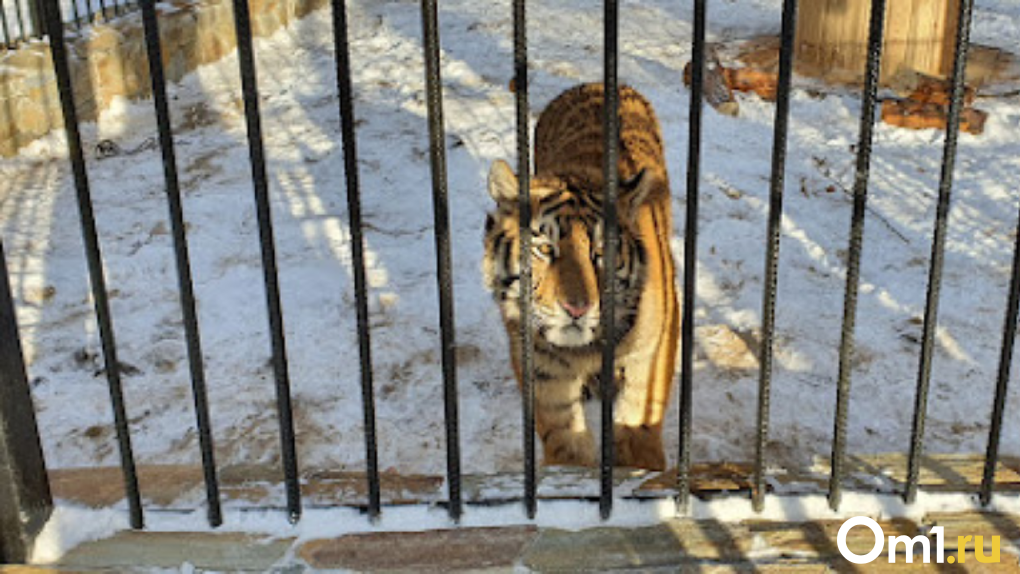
x: 566, y: 198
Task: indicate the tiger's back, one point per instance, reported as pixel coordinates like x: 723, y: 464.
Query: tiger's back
x: 568, y: 137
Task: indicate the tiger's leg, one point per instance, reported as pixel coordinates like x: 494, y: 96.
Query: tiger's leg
x: 640, y: 407
x: 560, y: 422
x: 559, y: 406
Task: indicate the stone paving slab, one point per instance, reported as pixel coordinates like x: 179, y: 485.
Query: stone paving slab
x: 666, y: 545
x: 432, y: 551
x: 227, y: 552
x: 986, y: 525
x: 817, y: 540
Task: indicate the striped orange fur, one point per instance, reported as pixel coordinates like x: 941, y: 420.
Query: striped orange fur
x: 566, y: 203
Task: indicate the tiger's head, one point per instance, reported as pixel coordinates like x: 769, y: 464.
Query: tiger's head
x: 566, y: 254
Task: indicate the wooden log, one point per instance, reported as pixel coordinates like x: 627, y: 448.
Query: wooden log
x: 716, y: 89
x: 919, y: 115
x: 765, y: 84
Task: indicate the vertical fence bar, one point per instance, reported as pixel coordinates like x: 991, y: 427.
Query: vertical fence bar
x: 8, y: 41
x: 772, y: 244
x: 74, y: 10
x: 691, y: 251
x: 441, y: 213
x: 610, y: 244
x: 55, y: 29
x: 931, y: 307
x: 25, y: 500
x: 346, y: 92
x: 89, y: 13
x: 846, y: 348
x: 524, y: 207
x: 1009, y: 331
x: 249, y: 87
x: 102, y: 8
x: 19, y: 16
x: 184, y: 282
x: 35, y: 18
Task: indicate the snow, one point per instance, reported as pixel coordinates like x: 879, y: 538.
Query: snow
x: 41, y: 234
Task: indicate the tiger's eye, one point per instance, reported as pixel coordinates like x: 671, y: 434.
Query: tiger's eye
x: 546, y: 249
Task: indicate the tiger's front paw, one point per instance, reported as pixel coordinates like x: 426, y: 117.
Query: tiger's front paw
x: 568, y: 447
x: 639, y: 447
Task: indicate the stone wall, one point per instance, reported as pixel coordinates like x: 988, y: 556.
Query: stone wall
x: 109, y: 60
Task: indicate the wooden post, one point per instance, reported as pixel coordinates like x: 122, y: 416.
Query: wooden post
x: 919, y: 36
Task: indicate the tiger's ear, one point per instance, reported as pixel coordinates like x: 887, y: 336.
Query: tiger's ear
x: 635, y: 191
x: 503, y: 184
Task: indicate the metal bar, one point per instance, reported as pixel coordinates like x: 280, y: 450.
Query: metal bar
x: 440, y: 206
x: 25, y: 500
x: 35, y: 18
x: 22, y: 30
x: 88, y: 10
x: 8, y: 41
x: 55, y: 29
x: 249, y: 86
x: 524, y: 207
x: 873, y: 70
x: 102, y: 8
x: 931, y: 308
x: 74, y: 10
x: 184, y: 281
x: 691, y: 252
x: 772, y: 244
x: 1009, y: 331
x: 346, y: 92
x: 610, y: 244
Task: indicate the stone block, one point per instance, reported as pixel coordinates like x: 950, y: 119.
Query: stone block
x: 607, y: 549
x: 32, y: 118
x: 432, y: 551
x: 226, y: 551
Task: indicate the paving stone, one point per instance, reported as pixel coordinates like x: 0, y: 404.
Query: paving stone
x: 750, y: 567
x: 227, y: 551
x: 672, y: 544
x: 882, y: 566
x: 818, y: 539
x: 432, y: 551
x: 984, y: 524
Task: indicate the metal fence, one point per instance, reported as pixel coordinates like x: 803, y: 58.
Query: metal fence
x: 21, y: 20
x: 24, y: 492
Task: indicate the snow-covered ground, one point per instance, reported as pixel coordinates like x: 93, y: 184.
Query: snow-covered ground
x: 41, y: 234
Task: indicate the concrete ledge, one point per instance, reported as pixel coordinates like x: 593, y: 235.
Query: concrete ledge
x: 109, y: 60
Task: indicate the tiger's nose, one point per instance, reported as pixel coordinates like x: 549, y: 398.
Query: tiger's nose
x: 575, y: 309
